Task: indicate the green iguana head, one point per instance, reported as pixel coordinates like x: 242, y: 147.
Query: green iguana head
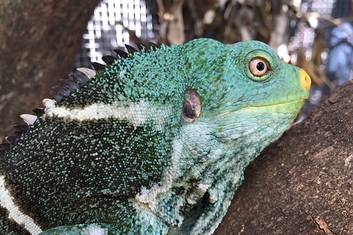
x: 154, y: 143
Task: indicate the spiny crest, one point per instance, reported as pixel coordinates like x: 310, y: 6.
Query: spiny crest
x: 109, y: 59
x: 75, y: 81
x: 19, y: 129
x: 120, y: 53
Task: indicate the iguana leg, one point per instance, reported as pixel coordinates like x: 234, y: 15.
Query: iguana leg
x: 144, y: 223
x: 83, y: 229
x: 212, y: 207
x: 218, y: 200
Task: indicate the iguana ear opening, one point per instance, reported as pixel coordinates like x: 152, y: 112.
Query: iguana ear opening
x: 192, y: 106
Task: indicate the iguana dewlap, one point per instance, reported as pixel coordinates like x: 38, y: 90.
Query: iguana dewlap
x: 155, y: 143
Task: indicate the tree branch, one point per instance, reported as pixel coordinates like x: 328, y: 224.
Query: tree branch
x: 38, y: 43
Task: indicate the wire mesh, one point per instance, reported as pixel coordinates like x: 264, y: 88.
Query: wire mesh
x: 108, y: 26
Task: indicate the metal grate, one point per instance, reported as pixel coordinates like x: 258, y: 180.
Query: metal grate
x: 108, y: 26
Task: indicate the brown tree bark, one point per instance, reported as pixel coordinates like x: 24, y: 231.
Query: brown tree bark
x: 38, y: 43
x: 303, y: 183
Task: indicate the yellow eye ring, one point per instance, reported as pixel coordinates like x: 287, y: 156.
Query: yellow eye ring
x: 259, y: 66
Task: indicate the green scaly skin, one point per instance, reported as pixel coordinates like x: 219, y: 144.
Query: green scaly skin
x: 136, y: 166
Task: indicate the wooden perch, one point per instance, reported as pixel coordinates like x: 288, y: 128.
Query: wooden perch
x: 303, y: 183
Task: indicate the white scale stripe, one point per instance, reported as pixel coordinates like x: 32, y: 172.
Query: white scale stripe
x: 7, y: 202
x: 136, y: 113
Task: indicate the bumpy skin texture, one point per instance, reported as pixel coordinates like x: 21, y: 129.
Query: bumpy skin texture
x: 118, y: 156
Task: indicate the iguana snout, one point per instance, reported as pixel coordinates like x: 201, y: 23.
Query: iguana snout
x: 305, y: 80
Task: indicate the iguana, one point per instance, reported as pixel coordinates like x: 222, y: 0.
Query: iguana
x: 156, y: 142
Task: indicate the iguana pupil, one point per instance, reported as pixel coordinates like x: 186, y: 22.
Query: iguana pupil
x: 260, y: 66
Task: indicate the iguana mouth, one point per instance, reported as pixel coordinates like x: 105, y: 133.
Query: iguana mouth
x: 296, y: 101
x: 268, y: 105
x: 279, y: 104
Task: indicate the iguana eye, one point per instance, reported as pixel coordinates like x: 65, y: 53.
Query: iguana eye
x: 191, y: 106
x: 259, y: 67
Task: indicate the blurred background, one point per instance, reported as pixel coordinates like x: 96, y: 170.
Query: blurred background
x: 40, y: 42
